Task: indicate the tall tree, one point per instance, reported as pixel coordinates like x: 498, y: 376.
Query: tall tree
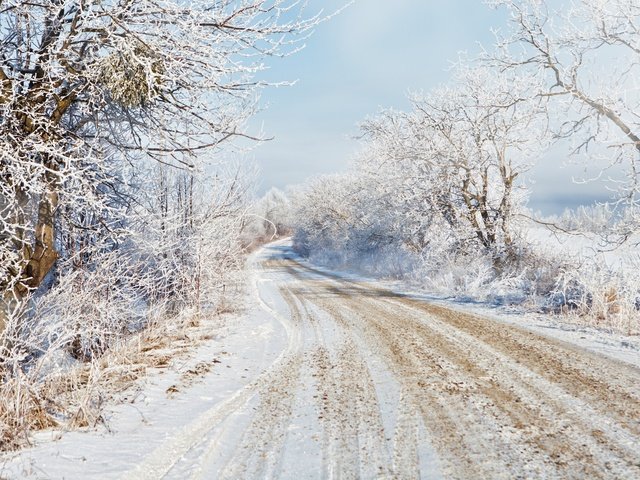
x: 459, y: 153
x: 88, y: 88
x: 586, y: 54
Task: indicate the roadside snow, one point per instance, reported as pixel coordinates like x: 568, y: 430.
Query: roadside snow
x: 154, y: 413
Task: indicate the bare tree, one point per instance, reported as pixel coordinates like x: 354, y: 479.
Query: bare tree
x: 586, y: 56
x: 460, y: 152
x: 89, y: 89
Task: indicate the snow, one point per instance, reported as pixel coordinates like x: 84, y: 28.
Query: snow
x: 150, y: 420
x: 195, y: 432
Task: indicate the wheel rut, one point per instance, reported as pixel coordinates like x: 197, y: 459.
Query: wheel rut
x: 368, y: 377
x: 546, y: 408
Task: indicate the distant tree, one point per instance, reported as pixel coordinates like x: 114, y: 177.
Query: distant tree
x: 326, y: 212
x: 274, y: 208
x: 459, y: 153
x: 89, y: 89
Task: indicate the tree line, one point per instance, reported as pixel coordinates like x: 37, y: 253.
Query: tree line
x: 444, y: 184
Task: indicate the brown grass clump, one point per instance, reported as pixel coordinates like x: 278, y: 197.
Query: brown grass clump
x: 74, y: 396
x: 22, y: 409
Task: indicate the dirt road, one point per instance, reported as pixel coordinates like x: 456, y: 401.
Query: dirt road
x: 373, y: 384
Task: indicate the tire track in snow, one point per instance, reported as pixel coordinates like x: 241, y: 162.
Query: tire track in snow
x: 353, y: 435
x: 158, y: 463
x: 612, y: 386
x: 405, y: 439
x: 557, y: 453
x: 487, y: 393
x: 260, y: 451
x: 355, y: 446
x: 437, y: 415
x: 561, y: 399
x: 497, y: 401
x: 403, y: 462
x: 589, y: 375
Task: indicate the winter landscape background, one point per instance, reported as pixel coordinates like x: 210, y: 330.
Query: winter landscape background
x: 459, y: 161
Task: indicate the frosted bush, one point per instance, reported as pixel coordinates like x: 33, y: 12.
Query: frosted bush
x: 602, y: 295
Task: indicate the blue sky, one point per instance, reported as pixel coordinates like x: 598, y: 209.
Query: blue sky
x: 367, y: 58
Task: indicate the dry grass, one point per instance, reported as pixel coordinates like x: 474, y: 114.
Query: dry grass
x: 74, y: 397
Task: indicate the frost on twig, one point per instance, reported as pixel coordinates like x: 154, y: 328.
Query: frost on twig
x: 111, y: 114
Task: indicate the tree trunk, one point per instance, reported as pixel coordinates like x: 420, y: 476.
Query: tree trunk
x: 37, y: 260
x: 44, y: 254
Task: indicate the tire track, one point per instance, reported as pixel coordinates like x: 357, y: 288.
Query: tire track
x: 354, y: 444
x: 405, y: 439
x: 419, y: 377
x: 544, y: 423
x: 613, y: 386
x: 351, y: 415
x: 590, y: 375
x: 260, y: 451
x: 546, y: 427
x: 496, y: 400
x: 165, y: 457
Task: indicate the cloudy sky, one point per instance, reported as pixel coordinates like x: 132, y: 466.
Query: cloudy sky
x: 367, y: 58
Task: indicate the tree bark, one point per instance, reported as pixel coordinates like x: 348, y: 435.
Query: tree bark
x: 38, y: 259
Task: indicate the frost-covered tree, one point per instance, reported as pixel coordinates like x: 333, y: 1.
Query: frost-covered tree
x: 458, y: 154
x: 439, y: 181
x: 586, y: 55
x: 90, y: 89
x: 324, y: 213
x: 270, y: 217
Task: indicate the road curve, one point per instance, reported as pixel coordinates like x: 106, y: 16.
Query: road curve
x: 374, y: 384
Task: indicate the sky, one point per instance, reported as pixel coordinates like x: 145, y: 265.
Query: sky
x: 370, y: 57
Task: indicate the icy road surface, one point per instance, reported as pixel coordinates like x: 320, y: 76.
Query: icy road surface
x: 376, y: 385
x: 360, y: 382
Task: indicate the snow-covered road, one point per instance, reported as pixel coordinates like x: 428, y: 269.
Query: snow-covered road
x: 374, y: 384
x: 352, y: 380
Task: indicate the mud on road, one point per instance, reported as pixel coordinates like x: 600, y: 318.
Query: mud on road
x: 378, y: 385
